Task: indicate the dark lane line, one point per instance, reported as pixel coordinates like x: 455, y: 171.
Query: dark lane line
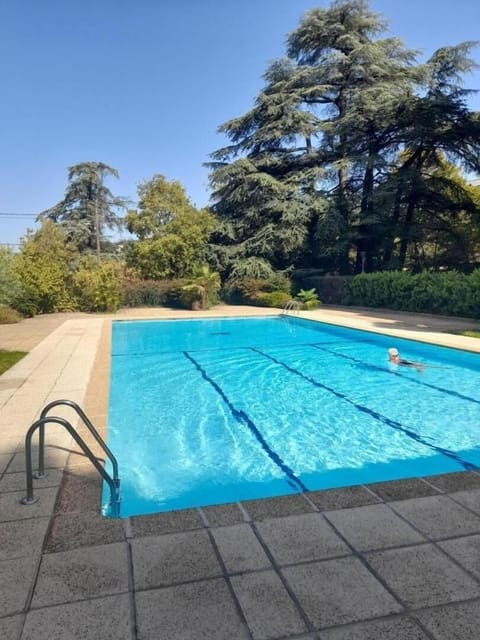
x: 293, y: 481
x: 374, y: 367
x: 374, y: 414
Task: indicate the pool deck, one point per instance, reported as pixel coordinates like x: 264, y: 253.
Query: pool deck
x: 390, y: 561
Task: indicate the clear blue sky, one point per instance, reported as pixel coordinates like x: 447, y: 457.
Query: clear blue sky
x: 143, y: 84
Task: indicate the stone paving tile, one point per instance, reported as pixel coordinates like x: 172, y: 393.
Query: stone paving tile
x: 342, y: 498
x: 402, y: 489
x: 11, y: 628
x: 459, y: 481
x: 11, y: 509
x: 55, y: 458
x: 422, y: 576
x: 176, y: 557
x: 200, y: 611
x: 397, y: 628
x: 4, y: 461
x: 80, y: 574
x: 100, y: 619
x: 466, y: 552
x: 223, y: 515
x: 470, y: 499
x: 460, y: 621
x: 80, y: 491
x: 22, y: 538
x: 74, y: 530
x: 373, y: 527
x: 266, y: 605
x: 438, y: 516
x: 339, y: 591
x: 301, y: 539
x: 17, y: 481
x: 170, y: 522
x: 16, y: 578
x: 240, y: 549
x: 8, y: 444
x: 276, y: 507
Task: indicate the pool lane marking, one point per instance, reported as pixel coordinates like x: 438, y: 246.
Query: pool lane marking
x: 378, y: 416
x: 295, y: 482
x: 375, y: 367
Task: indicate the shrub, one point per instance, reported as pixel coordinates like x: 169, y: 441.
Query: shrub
x: 9, y: 280
x: 246, y: 291
x: 150, y: 293
x: 191, y: 296
x: 270, y: 299
x: 9, y: 316
x: 308, y: 298
x: 44, y: 265
x: 97, y: 287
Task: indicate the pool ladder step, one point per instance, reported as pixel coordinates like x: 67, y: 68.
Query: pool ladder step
x: 113, y: 480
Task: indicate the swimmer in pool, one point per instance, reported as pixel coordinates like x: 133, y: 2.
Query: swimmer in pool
x: 394, y: 358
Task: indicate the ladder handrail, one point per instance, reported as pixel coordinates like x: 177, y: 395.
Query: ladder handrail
x: 113, y: 483
x: 87, y: 423
x: 292, y: 305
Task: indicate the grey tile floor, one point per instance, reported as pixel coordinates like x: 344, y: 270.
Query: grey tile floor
x: 393, y: 561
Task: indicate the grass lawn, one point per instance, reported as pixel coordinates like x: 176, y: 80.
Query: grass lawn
x: 9, y: 358
x: 471, y: 334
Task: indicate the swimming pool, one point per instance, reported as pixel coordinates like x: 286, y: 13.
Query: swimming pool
x: 212, y: 411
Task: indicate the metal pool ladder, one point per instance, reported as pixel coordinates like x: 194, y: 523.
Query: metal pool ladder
x: 112, y: 481
x: 293, y: 306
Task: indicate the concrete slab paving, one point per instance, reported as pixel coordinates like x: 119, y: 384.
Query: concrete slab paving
x: 172, y: 558
x: 199, y: 611
x: 403, y: 489
x: 81, y: 574
x: 373, y: 527
x: 343, y: 498
x: 11, y: 628
x: 469, y: 499
x: 302, y: 538
x: 422, y: 576
x: 75, y: 530
x: 12, y: 509
x: 169, y: 522
x: 449, y: 482
x: 16, y: 481
x: 16, y: 581
x: 240, y: 549
x: 393, y: 629
x: 268, y: 608
x: 466, y: 551
x: 438, y: 516
x: 99, y: 619
x: 339, y: 591
x: 453, y: 622
x: 223, y: 515
x: 22, y: 538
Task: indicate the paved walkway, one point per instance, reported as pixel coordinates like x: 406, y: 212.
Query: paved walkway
x: 393, y: 561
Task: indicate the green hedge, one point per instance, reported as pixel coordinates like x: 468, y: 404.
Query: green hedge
x: 150, y: 293
x: 252, y: 290
x: 450, y: 293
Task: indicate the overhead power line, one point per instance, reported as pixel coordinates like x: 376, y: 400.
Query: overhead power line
x: 14, y: 214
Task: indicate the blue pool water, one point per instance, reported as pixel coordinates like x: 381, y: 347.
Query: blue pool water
x: 211, y: 411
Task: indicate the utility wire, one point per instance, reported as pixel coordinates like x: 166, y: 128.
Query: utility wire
x: 19, y: 215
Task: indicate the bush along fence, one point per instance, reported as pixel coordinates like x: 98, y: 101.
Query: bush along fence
x: 448, y: 293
